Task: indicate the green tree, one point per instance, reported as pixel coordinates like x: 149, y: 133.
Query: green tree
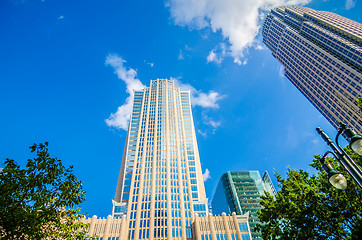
x: 40, y: 201
x: 309, y: 207
x: 359, y: 102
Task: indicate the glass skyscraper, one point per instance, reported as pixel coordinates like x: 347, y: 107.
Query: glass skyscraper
x: 240, y: 192
x: 322, y: 56
x: 160, y: 191
x: 160, y: 185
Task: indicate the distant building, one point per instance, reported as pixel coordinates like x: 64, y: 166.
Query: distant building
x: 322, y: 56
x: 240, y: 192
x: 160, y: 192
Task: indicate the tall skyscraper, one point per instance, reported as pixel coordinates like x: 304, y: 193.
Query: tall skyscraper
x: 322, y: 56
x: 240, y: 192
x: 160, y: 191
x: 160, y: 185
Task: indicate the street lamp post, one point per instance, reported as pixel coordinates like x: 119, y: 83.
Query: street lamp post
x: 334, y: 177
x: 343, y: 158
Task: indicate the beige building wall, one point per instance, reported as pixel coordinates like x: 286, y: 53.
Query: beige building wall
x: 222, y: 227
x: 106, y: 228
x: 203, y: 228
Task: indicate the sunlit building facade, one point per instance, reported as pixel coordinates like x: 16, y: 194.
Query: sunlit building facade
x: 160, y: 185
x: 240, y: 192
x: 160, y: 191
x: 322, y: 56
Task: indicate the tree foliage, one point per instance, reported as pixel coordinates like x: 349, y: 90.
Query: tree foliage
x: 359, y: 102
x: 309, y: 207
x: 40, y: 201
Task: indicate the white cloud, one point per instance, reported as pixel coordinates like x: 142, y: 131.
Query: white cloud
x: 237, y: 21
x: 214, y: 124
x: 187, y: 48
x: 149, y: 63
x: 350, y: 4
x: 199, y: 98
x: 217, y: 54
x: 61, y: 17
x: 316, y: 141
x: 180, y: 55
x: 259, y: 47
x: 185, y: 52
x: 207, y: 100
x: 211, y: 122
x: 206, y: 175
x: 281, y: 71
x: 120, y: 118
x: 204, y: 134
x: 212, y: 57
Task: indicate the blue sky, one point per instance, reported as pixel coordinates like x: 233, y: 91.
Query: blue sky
x: 65, y: 67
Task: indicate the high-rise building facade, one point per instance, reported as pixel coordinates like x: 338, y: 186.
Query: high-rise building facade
x: 160, y: 191
x: 240, y: 192
x: 322, y: 56
x: 160, y: 185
